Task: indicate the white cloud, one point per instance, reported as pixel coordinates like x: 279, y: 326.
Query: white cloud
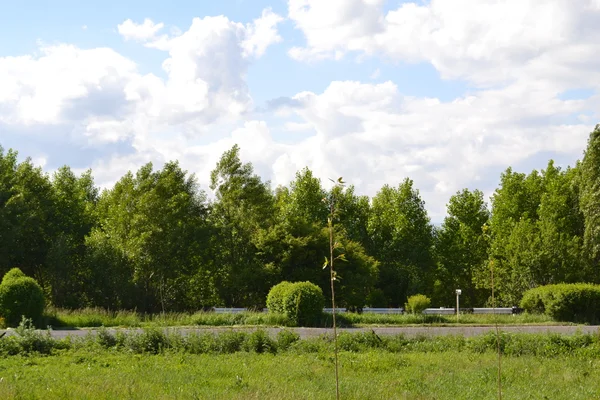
x: 139, y: 32
x: 485, y: 42
x: 261, y: 33
x: 100, y: 95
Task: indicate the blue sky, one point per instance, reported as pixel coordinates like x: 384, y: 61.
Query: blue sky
x: 449, y: 92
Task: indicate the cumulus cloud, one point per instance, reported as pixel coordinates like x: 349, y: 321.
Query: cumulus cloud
x: 101, y: 95
x: 485, y: 42
x: 140, y: 32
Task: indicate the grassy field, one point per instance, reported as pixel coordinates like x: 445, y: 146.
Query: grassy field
x: 237, y: 365
x: 373, y: 374
x: 99, y: 317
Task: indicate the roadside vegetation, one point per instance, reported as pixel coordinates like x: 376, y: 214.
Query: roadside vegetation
x: 158, y: 364
x: 90, y: 318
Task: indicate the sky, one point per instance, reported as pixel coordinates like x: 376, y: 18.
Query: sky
x: 448, y: 93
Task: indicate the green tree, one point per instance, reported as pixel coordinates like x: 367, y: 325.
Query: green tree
x: 74, y: 217
x: 401, y: 240
x: 156, y: 220
x: 590, y: 198
x: 244, y: 206
x: 461, y: 248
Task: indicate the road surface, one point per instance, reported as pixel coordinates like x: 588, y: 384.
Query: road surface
x: 466, y: 331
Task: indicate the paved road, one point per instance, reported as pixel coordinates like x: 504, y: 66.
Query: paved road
x: 407, y: 331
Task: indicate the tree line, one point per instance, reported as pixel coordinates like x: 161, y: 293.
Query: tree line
x: 155, y: 241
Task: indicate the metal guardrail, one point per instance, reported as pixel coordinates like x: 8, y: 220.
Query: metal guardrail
x: 369, y: 310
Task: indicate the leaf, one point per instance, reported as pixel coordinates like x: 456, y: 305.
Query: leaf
x: 326, y: 263
x: 341, y: 257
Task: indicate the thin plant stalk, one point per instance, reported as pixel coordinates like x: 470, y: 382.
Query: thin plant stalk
x: 333, y: 277
x: 497, y: 335
x: 332, y: 280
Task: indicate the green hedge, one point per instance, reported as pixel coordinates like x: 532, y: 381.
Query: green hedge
x: 20, y: 296
x: 301, y: 302
x: 576, y: 302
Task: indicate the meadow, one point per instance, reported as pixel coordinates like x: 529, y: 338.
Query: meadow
x: 238, y: 365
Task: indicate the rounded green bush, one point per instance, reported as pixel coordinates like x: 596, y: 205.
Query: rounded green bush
x: 417, y: 303
x: 21, y: 296
x: 13, y: 274
x: 275, y: 297
x: 577, y: 302
x: 303, y: 303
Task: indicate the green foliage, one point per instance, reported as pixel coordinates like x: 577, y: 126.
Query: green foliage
x: 590, y: 197
x: 152, y: 341
x: 14, y: 273
x: 21, y: 296
x: 401, y: 239
x: 565, y: 302
x: 260, y: 342
x: 286, y: 338
x: 303, y: 303
x: 417, y: 303
x: 275, y: 298
x: 462, y: 249
x: 377, y: 299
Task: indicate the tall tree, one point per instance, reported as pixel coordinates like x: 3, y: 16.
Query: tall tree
x: 8, y: 212
x: 74, y: 200
x: 590, y: 198
x: 31, y: 208
x: 243, y: 207
x: 461, y: 248
x: 156, y: 220
x: 401, y: 240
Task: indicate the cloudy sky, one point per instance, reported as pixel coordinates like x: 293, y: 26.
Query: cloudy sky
x: 446, y: 92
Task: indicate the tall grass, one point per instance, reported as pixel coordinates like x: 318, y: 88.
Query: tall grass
x: 96, y: 317
x: 27, y: 340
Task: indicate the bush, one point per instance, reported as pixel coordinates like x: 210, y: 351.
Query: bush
x: 151, y: 341
x: 303, y: 303
x: 13, y: 274
x: 286, y: 338
x: 417, y: 303
x: 577, y: 302
x: 260, y: 342
x: 275, y: 297
x: 20, y: 296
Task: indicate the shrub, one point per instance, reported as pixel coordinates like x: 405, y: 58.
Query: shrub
x: 20, y: 296
x: 260, y: 342
x: 577, y: 302
x: 417, y: 303
x: 303, y: 303
x: 286, y: 338
x: 151, y: 341
x: 275, y: 297
x: 13, y: 274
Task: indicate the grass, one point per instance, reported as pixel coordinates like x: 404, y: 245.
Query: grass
x: 238, y: 365
x: 374, y: 374
x: 95, y: 317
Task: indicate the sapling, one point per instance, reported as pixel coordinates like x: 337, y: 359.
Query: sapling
x: 333, y: 245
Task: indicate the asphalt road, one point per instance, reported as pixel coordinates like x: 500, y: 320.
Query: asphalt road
x: 313, y: 332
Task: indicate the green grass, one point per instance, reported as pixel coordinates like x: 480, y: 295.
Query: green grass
x: 95, y: 317
x: 369, y: 375
x: 238, y: 365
